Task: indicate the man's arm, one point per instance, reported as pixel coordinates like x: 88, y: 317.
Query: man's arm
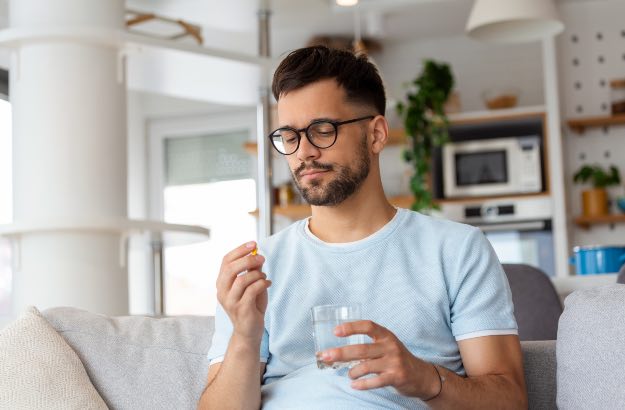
x: 494, y: 367
x: 242, y: 292
x: 219, y: 394
x: 495, y: 378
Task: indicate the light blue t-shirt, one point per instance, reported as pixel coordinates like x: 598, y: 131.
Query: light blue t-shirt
x: 430, y: 281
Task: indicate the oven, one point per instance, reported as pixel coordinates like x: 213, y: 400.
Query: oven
x: 519, y: 230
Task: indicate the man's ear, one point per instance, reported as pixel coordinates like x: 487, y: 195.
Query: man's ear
x: 379, y: 132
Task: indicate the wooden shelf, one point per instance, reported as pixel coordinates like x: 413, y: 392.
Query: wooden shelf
x: 396, y: 136
x: 580, y: 124
x: 587, y: 221
x: 295, y: 211
x: 505, y: 114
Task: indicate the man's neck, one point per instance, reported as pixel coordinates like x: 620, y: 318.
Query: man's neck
x: 360, y: 215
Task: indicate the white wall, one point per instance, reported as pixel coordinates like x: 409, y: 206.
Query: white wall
x: 594, y: 31
x: 476, y: 67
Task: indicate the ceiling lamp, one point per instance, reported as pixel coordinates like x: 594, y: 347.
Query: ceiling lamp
x: 346, y: 3
x: 513, y: 21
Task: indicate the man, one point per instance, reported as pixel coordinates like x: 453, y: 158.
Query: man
x: 437, y: 303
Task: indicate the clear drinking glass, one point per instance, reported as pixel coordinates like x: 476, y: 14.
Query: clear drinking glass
x: 325, y: 318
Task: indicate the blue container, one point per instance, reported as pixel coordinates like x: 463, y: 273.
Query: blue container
x: 591, y: 260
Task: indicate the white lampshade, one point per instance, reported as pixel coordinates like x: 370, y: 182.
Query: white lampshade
x: 346, y: 3
x: 513, y: 21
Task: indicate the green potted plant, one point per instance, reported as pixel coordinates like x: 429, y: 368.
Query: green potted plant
x: 595, y: 201
x: 425, y: 122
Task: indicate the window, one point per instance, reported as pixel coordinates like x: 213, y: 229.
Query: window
x: 191, y: 270
x: 202, y: 175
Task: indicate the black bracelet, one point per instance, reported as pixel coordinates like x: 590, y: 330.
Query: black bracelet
x: 441, y: 379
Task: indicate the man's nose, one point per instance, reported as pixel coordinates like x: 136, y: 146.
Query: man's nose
x: 306, y: 150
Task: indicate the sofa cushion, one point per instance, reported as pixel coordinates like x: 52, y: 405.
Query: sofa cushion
x: 591, y: 349
x: 539, y: 364
x: 38, y: 370
x: 139, y: 362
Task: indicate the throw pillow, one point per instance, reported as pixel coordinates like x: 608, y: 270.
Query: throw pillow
x: 590, y: 350
x: 38, y: 369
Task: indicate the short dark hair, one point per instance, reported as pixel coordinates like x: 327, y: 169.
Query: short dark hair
x: 355, y: 73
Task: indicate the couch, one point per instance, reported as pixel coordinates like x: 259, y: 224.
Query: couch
x: 67, y: 358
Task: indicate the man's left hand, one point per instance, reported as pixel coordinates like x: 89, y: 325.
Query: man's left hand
x: 387, y: 358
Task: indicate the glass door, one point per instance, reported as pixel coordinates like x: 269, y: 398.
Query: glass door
x: 204, y: 177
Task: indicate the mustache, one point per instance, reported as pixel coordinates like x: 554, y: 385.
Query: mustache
x: 312, y: 165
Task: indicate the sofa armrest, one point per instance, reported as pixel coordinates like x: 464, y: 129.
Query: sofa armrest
x: 539, y: 363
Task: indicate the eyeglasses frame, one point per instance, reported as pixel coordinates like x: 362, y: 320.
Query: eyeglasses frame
x: 335, y: 124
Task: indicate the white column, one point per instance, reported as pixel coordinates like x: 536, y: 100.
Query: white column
x: 69, y: 151
x: 556, y: 158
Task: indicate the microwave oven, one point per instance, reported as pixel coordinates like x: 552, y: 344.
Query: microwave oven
x: 498, y: 166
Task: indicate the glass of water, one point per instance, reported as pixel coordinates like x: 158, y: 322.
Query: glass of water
x: 325, y: 319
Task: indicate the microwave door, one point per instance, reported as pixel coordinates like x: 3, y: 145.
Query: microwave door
x: 482, y: 169
x: 477, y: 169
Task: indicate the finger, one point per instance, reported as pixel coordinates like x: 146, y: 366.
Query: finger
x: 376, y: 366
x: 239, y: 251
x: 362, y: 327
x: 229, y: 273
x: 371, y: 382
x: 262, y: 299
x: 353, y: 352
x: 230, y: 257
x: 242, y: 282
x: 255, y: 289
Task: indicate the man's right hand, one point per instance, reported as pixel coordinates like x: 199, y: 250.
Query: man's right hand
x: 243, y: 295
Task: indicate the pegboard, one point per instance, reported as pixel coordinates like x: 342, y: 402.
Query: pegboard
x: 591, y: 53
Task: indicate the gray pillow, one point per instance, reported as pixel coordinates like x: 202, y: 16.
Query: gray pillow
x: 139, y: 362
x: 591, y: 349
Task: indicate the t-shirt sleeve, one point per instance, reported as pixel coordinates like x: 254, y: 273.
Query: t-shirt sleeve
x: 221, y: 338
x: 481, y: 301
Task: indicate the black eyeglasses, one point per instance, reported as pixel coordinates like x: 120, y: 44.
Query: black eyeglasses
x: 321, y: 133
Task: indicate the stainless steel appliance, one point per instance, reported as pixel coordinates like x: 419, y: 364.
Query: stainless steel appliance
x: 496, y: 166
x: 519, y: 230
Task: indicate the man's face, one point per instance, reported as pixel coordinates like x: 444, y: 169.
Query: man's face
x: 326, y: 177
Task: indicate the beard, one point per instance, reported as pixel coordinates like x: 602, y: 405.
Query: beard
x: 347, y: 181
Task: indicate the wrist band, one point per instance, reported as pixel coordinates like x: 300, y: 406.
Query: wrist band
x: 441, y: 379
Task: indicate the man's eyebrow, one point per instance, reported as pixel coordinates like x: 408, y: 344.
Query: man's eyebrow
x: 310, y: 122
